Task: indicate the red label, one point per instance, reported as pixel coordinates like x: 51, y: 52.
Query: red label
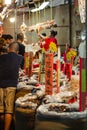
x: 49, y: 73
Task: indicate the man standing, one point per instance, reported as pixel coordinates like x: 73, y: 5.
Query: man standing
x: 20, y: 39
x: 9, y: 72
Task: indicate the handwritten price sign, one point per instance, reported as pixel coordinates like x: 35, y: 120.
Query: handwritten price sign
x: 49, y: 73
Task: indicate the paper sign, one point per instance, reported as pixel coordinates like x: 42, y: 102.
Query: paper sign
x: 58, y: 76
x: 49, y: 73
x: 26, y: 62
x: 30, y: 63
x: 83, y: 87
x: 42, y: 69
x: 69, y: 70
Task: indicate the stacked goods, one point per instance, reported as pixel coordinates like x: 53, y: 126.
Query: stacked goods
x: 25, y: 119
x: 74, y: 83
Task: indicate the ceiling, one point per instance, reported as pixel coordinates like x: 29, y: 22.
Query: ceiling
x: 5, y: 10
x: 24, y: 2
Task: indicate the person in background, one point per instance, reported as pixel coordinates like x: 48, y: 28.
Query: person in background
x: 8, y: 39
x: 51, y: 44
x: 9, y: 72
x: 3, y: 49
x: 82, y: 48
x: 4, y: 36
x: 20, y: 39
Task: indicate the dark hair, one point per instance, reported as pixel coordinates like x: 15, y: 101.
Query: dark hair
x: 43, y: 34
x: 20, y: 36
x: 4, y: 36
x: 7, y: 36
x: 53, y: 33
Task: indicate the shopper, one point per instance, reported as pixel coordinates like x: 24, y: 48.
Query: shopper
x: 8, y: 39
x: 20, y: 39
x: 9, y: 71
x: 3, y: 49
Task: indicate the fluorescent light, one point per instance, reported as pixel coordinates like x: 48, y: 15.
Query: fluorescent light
x: 42, y: 6
x: 7, y: 2
x: 34, y: 10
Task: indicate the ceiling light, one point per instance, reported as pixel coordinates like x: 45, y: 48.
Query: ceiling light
x: 12, y: 20
x: 7, y: 2
x: 42, y: 6
x: 35, y: 10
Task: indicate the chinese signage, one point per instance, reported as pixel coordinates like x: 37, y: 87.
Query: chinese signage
x: 28, y: 58
x: 49, y: 73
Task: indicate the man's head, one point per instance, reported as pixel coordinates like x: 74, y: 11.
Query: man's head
x: 20, y: 37
x: 13, y: 47
x: 53, y: 33
x: 8, y: 38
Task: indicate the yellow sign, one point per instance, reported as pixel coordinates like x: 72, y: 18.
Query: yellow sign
x: 70, y: 54
x: 53, y: 47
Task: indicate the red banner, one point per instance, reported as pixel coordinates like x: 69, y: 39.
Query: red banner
x: 69, y: 70
x: 28, y: 58
x: 49, y: 73
x: 58, y: 76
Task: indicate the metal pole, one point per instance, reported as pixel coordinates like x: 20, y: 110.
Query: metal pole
x: 86, y: 55
x: 15, y: 24
x: 70, y: 22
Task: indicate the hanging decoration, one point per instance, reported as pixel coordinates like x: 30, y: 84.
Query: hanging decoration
x: 5, y: 12
x: 82, y: 10
x: 23, y: 27
x: 76, y: 7
x: 40, y: 26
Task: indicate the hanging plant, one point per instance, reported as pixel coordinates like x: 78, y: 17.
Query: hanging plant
x: 23, y: 27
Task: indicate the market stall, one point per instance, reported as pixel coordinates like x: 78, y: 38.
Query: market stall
x: 39, y: 104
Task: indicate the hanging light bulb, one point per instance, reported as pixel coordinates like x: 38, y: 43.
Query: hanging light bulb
x: 12, y: 20
x: 7, y: 2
